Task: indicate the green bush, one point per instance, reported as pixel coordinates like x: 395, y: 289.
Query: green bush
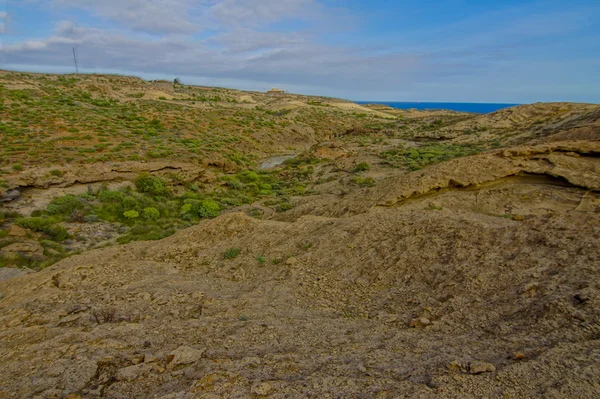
x: 363, y: 181
x: 418, y: 157
x: 152, y: 185
x: 131, y: 214
x: 151, y: 213
x: 207, y: 208
x: 47, y: 226
x: 130, y: 202
x: 232, y: 253
x: 249, y: 177
x: 110, y: 196
x: 361, y: 167
x: 64, y: 205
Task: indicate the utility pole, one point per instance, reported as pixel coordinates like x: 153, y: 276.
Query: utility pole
x: 75, y: 58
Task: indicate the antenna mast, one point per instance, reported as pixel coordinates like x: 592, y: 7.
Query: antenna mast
x: 75, y: 59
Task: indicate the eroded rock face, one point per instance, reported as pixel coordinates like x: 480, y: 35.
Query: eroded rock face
x: 105, y: 172
x: 9, y: 195
x: 574, y: 164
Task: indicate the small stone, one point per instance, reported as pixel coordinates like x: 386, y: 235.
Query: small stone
x: 518, y: 218
x: 198, y: 295
x: 530, y: 289
x: 420, y: 322
x: 455, y: 365
x: 145, y: 296
x: 478, y: 367
x: 150, y: 358
x: 291, y: 261
x: 261, y: 389
x: 519, y: 356
x: 69, y: 319
x: 132, y: 373
x: 184, y: 355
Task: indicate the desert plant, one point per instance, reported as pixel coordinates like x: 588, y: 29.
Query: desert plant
x: 151, y: 213
x: 231, y: 253
x: 64, y: 205
x: 58, y: 233
x: 131, y: 214
x: 361, y: 167
x: 152, y: 185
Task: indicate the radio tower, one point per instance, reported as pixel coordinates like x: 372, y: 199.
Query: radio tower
x: 75, y: 59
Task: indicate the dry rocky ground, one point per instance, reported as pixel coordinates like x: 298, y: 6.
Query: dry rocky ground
x: 473, y: 277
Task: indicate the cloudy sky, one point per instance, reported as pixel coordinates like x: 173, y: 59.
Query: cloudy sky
x: 419, y: 50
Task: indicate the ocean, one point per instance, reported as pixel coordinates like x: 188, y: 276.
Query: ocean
x: 478, y: 108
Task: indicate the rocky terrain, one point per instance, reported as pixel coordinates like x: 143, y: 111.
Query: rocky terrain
x: 392, y: 254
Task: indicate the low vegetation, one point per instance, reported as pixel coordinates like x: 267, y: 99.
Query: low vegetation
x: 416, y: 158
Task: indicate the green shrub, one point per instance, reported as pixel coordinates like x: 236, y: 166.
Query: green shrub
x: 249, y: 177
x: 56, y: 172
x: 152, y: 185
x: 363, y: 181
x: 110, y: 196
x: 361, y: 167
x: 58, y: 233
x: 131, y: 214
x: 151, y: 213
x: 130, y: 202
x: 64, y: 205
x: 17, y: 167
x: 418, y: 157
x: 232, y: 253
x: 207, y: 208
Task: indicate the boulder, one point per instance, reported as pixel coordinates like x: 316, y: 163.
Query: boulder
x: 17, y: 231
x: 184, y: 355
x: 29, y: 249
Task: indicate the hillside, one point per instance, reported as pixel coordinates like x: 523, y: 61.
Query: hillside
x: 246, y: 245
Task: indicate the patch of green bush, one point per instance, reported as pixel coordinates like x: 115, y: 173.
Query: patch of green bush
x: 418, y: 157
x: 64, y: 205
x: 152, y: 185
x: 47, y: 226
x: 131, y: 214
x: 207, y: 208
x: 110, y: 196
x: 232, y: 253
x: 151, y: 213
x: 361, y: 167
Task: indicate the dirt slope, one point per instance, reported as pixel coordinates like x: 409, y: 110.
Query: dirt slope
x: 384, y: 304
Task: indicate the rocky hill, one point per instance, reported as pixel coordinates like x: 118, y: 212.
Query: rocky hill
x: 379, y: 254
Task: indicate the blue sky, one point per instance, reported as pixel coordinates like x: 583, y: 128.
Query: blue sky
x: 390, y: 50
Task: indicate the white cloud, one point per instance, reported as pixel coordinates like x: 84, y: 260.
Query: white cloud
x: 156, y: 16
x: 263, y: 57
x: 257, y: 12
